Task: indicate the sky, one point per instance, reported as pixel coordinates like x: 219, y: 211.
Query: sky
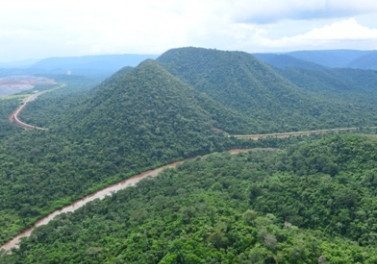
x: 34, y: 29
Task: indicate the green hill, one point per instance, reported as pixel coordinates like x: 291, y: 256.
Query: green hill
x: 152, y: 95
x: 330, y: 81
x: 241, y: 82
x: 355, y: 89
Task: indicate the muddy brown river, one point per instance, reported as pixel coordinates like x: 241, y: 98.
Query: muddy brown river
x: 14, y: 243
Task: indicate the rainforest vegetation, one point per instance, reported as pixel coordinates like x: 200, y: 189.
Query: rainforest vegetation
x: 296, y: 200
x: 314, y: 202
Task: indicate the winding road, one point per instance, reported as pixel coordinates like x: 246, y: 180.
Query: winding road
x: 14, y: 117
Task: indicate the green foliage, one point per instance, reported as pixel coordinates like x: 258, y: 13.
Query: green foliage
x: 7, y: 106
x: 256, y: 207
x: 310, y: 203
x: 244, y: 84
x: 133, y: 122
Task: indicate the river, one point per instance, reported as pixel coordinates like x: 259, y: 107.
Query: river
x: 14, y: 243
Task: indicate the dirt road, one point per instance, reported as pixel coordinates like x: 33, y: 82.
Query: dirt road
x: 296, y: 134
x: 14, y: 117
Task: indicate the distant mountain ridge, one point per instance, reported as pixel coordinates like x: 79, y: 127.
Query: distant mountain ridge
x: 286, y: 61
x: 368, y: 61
x: 94, y: 64
x: 97, y: 66
x: 357, y: 59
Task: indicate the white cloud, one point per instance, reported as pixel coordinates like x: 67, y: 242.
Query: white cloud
x: 342, y: 30
x: 271, y: 11
x: 43, y: 28
x: 347, y: 33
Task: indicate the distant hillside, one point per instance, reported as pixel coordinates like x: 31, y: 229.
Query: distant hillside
x: 368, y: 61
x: 354, y: 90
x: 18, y: 64
x: 241, y: 82
x: 325, y: 58
x: 327, y: 80
x: 329, y: 58
x: 88, y: 65
x: 285, y: 61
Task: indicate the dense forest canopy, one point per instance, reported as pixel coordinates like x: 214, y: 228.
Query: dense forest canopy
x: 275, y: 103
x: 133, y: 122
x: 313, y: 202
x: 295, y: 200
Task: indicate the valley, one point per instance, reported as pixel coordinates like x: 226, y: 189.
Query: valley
x: 300, y: 186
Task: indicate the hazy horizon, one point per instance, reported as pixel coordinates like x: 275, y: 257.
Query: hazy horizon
x: 34, y: 60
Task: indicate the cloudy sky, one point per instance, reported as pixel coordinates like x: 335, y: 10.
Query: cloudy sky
x: 32, y: 29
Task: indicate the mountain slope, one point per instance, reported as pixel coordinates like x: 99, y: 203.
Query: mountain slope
x: 285, y: 61
x: 329, y: 58
x: 243, y: 83
x: 339, y: 81
x: 149, y: 104
x: 356, y: 89
x: 368, y: 61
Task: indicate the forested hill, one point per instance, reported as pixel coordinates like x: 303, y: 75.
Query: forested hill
x: 241, y: 82
x: 155, y: 114
x: 355, y: 88
x: 328, y: 81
